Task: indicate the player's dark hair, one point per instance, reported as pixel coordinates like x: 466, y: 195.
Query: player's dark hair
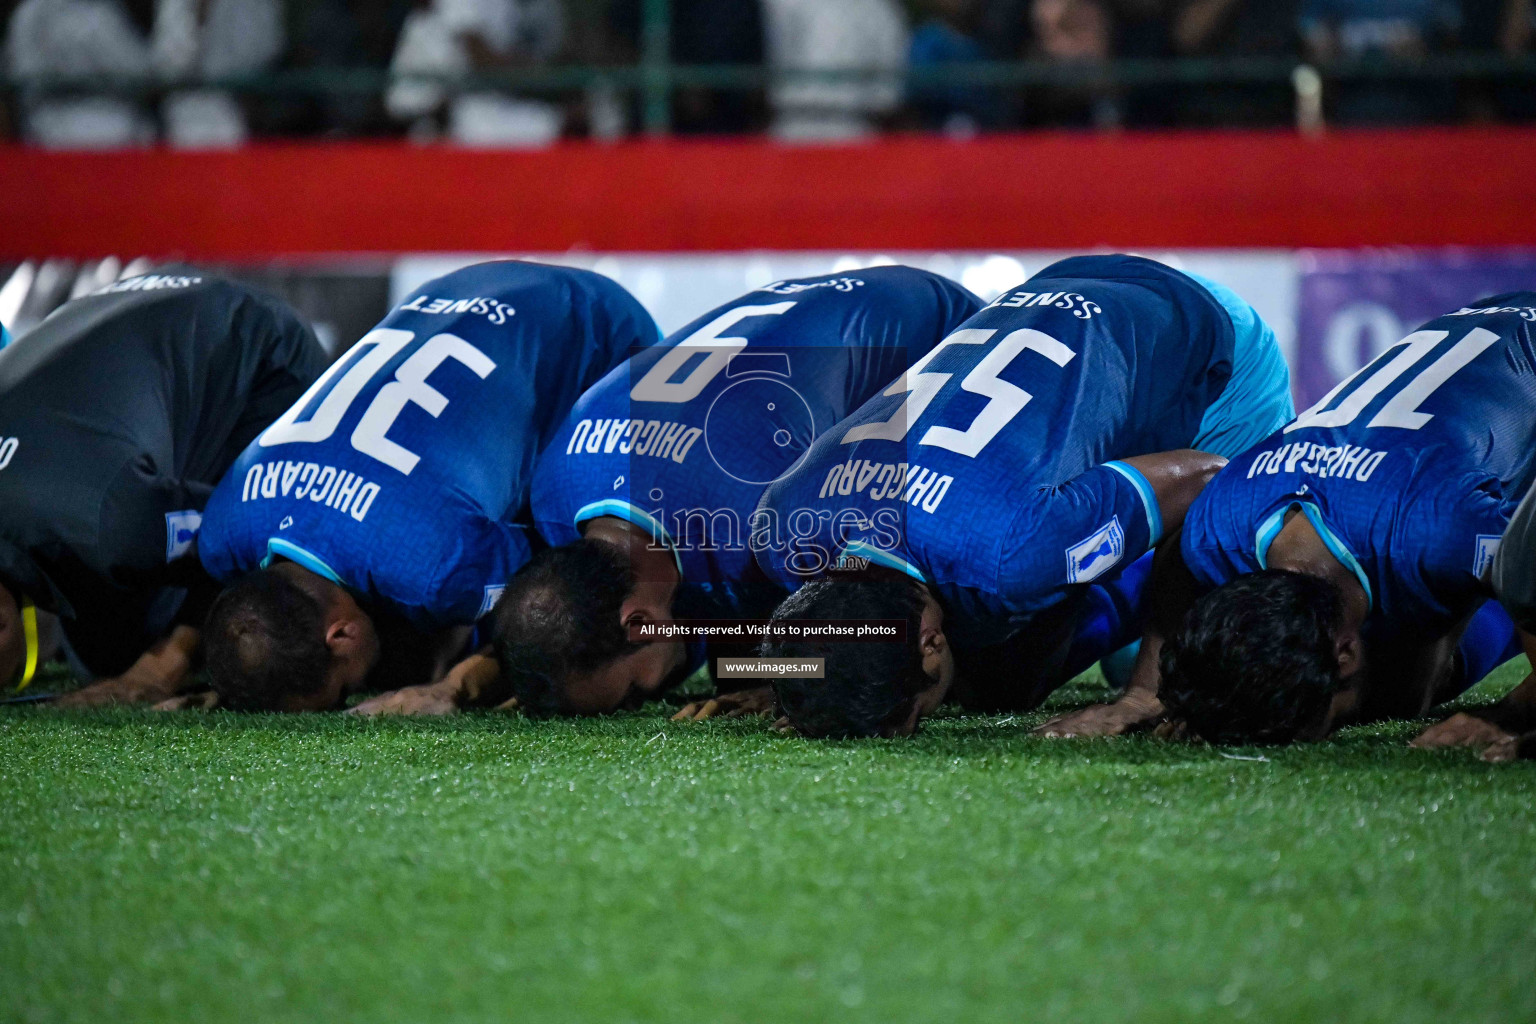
x: 869, y: 688
x: 559, y: 617
x: 264, y: 642
x: 1254, y: 661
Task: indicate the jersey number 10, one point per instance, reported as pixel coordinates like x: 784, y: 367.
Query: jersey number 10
x: 1402, y: 409
x: 409, y: 387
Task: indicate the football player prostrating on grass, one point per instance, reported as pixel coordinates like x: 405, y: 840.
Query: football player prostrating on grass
x: 994, y: 497
x: 1337, y: 572
x: 118, y: 415
x: 648, y: 489
x: 366, y: 531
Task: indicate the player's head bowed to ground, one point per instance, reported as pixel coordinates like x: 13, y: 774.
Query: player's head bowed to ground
x: 649, y: 491
x: 1000, y: 497
x: 562, y: 629
x: 375, y: 522
x: 876, y: 688
x: 118, y: 414
x: 285, y: 639
x: 1337, y: 572
x: 1260, y: 659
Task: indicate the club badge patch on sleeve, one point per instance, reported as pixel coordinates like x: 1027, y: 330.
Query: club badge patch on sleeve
x: 1097, y: 553
x: 180, y: 530
x: 492, y: 595
x: 1487, y: 550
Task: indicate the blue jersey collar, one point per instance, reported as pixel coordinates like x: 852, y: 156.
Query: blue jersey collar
x: 636, y: 516
x: 1270, y: 529
x: 277, y: 548
x: 877, y: 556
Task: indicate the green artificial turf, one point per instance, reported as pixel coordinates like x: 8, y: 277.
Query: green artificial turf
x: 212, y: 867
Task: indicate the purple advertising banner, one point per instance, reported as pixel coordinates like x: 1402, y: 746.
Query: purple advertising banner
x: 1353, y: 304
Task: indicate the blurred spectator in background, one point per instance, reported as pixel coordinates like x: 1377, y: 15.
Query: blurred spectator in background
x: 208, y: 40
x: 1332, y: 30
x: 716, y: 32
x: 1236, y: 28
x: 949, y: 34
x: 337, y: 36
x: 1003, y: 28
x: 74, y: 39
x: 1141, y: 30
x: 160, y: 50
x: 818, y: 35
x: 1075, y: 34
x: 455, y: 37
x: 1507, y: 27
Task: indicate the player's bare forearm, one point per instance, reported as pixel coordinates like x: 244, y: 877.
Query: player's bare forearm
x: 1171, y: 591
x: 1177, y: 478
x: 474, y: 682
x: 160, y: 673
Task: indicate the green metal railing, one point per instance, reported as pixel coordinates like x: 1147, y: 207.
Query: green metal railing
x: 654, y: 78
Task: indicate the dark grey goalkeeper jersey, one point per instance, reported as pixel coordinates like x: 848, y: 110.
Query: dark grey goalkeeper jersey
x: 118, y: 415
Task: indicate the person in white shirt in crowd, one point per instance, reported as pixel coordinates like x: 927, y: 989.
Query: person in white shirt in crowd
x: 814, y: 35
x: 209, y: 40
x: 455, y: 37
x: 77, y: 39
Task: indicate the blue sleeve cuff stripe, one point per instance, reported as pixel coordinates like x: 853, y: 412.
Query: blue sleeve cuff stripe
x: 1148, y: 498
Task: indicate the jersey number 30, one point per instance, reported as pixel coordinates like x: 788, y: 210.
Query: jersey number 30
x: 409, y: 387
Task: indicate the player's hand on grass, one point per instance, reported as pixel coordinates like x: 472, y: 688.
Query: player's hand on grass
x: 1463, y: 729
x: 1515, y: 748
x: 432, y: 699
x: 204, y: 701
x: 1123, y: 716
x: 1175, y: 729
x: 741, y: 704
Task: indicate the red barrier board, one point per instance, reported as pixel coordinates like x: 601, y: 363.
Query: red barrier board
x: 1052, y: 190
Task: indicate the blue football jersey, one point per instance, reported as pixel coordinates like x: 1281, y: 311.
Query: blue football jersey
x: 683, y: 438
x: 988, y: 469
x: 401, y: 472
x: 1409, y: 470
